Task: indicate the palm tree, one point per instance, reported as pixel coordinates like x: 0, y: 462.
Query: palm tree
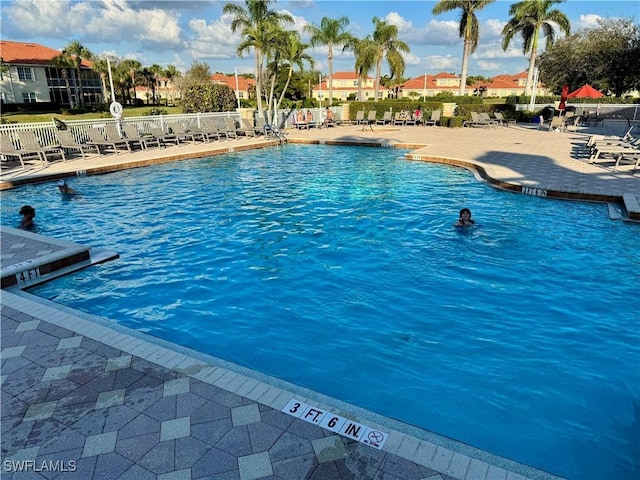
x: 252, y: 22
x: 293, y: 54
x: 365, y: 54
x: 64, y: 63
x: 174, y: 76
x: 389, y: 48
x: 469, y: 29
x: 157, y: 72
x: 78, y: 52
x: 130, y: 68
x: 99, y: 65
x: 332, y: 32
x: 529, y: 17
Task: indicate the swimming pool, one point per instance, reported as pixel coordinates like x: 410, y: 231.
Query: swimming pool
x: 337, y: 268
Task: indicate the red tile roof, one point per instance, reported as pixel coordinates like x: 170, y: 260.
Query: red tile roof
x: 29, y: 53
x: 346, y: 76
x: 417, y: 83
x: 244, y: 84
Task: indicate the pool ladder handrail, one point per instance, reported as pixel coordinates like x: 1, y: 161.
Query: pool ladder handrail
x: 274, y: 132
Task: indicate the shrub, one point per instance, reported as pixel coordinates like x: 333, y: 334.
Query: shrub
x: 155, y: 111
x: 208, y: 97
x: 452, y: 122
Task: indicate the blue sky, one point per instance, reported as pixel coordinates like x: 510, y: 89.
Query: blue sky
x: 182, y: 32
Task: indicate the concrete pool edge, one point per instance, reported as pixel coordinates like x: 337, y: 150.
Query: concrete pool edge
x: 406, y: 441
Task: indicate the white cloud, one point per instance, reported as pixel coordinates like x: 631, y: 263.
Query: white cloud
x: 439, y: 33
x: 107, y: 21
x: 586, y: 21
x: 442, y: 63
x: 213, y: 40
x: 394, y: 18
x: 411, y: 59
x: 486, y: 66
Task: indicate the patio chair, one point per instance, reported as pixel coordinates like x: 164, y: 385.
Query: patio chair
x: 96, y: 138
x: 163, y: 137
x: 8, y: 149
x: 397, y: 119
x: 503, y: 120
x: 133, y: 136
x: 386, y: 118
x: 631, y: 156
x: 248, y: 127
x: 484, y: 116
x: 434, y: 119
x: 206, y: 134
x: 557, y: 124
x: 68, y: 143
x: 371, y: 117
x: 211, y: 125
x: 232, y: 126
x: 183, y: 135
x: 113, y: 134
x: 359, y: 120
x: 29, y: 141
x: 600, y: 150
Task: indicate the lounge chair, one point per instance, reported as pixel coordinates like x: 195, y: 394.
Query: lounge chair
x: 163, y: 137
x: 359, y: 120
x: 435, y: 118
x: 386, y: 118
x: 29, y: 141
x: 371, y: 118
x: 182, y: 134
x: 484, y: 116
x: 68, y: 143
x: 598, y: 151
x: 133, y: 136
x: 238, y: 130
x: 248, y: 127
x: 630, y: 156
x: 204, y: 132
x: 411, y: 120
x: 397, y: 119
x: 96, y: 138
x: 503, y: 120
x: 211, y: 126
x: 113, y: 134
x: 557, y: 124
x: 8, y: 149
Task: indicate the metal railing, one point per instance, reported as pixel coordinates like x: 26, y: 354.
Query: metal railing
x: 609, y: 111
x: 46, y: 131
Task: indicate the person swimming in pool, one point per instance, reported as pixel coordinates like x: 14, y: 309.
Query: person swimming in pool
x: 465, y: 219
x: 65, y: 189
x: 28, y: 214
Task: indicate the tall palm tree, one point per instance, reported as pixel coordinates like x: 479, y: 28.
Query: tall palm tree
x: 130, y: 68
x: 365, y: 56
x: 251, y: 23
x: 389, y: 48
x: 293, y: 54
x: 63, y: 62
x: 99, y: 65
x: 469, y: 29
x: 529, y: 17
x: 157, y: 72
x: 331, y: 32
x: 78, y: 52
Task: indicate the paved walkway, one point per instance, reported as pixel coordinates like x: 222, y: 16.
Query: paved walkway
x: 85, y: 399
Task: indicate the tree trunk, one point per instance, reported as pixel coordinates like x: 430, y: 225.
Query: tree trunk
x: 465, y: 65
x: 80, y: 91
x: 258, y: 65
x: 528, y: 89
x: 330, y: 57
x: 65, y: 75
x: 377, y: 85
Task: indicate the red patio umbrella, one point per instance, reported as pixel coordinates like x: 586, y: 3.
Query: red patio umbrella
x: 585, y: 91
x: 563, y: 97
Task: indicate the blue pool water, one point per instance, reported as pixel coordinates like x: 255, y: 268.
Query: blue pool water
x: 337, y: 268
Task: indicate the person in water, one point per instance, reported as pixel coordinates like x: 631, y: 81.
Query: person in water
x: 65, y: 189
x: 28, y: 214
x: 465, y: 219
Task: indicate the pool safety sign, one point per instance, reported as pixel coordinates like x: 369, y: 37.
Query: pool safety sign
x: 336, y: 423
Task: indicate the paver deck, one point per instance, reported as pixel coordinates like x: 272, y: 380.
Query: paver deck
x: 83, y: 398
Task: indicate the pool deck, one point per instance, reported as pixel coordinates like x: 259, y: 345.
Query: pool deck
x: 84, y: 398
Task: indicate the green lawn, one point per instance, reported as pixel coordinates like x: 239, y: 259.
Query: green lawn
x: 20, y: 117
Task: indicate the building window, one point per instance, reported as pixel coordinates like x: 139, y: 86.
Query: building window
x: 25, y: 73
x: 29, y: 97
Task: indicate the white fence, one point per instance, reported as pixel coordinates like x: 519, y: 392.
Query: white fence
x: 47, y: 136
